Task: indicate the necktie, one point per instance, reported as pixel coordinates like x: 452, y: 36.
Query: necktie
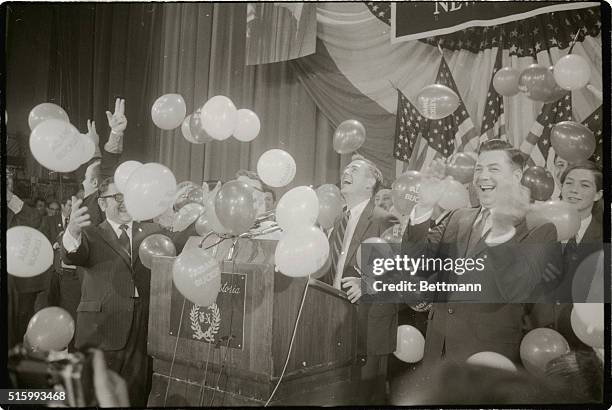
x: 124, y: 240
x: 478, y: 230
x: 337, y: 240
x: 65, y: 222
x: 570, y: 247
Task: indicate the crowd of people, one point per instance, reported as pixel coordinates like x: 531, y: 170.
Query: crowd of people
x: 99, y: 279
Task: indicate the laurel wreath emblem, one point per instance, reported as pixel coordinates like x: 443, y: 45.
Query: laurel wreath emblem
x: 213, y: 319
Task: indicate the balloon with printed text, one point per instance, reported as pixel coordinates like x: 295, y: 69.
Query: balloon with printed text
x: 50, y: 329
x: 28, y: 252
x: 405, y: 191
x: 276, y: 168
x: 437, y: 101
x: 197, y: 276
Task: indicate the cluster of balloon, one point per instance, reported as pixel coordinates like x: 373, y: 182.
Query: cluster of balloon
x: 410, y: 344
x: 187, y: 215
x: 455, y: 195
x: 539, y: 84
x: 155, y: 245
x: 461, y: 166
x: 539, y: 347
x: 50, y: 329
x: 563, y: 215
x: 212, y: 221
x: 491, y: 359
x: 405, y: 191
x: 28, y: 252
x: 572, y: 141
x: 330, y: 205
x: 437, y: 101
x: 587, y: 321
x: 572, y: 72
x: 123, y: 173
x: 349, y: 137
x: 540, y: 183
x: 197, y: 275
x: 506, y: 81
x: 235, y: 206
x: 149, y: 191
x: 276, y: 168
x: 56, y: 144
x: 168, y: 111
x: 195, y: 132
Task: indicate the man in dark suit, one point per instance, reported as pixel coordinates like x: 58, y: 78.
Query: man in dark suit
x: 456, y: 330
x: 113, y: 312
x: 22, y: 292
x: 377, y: 322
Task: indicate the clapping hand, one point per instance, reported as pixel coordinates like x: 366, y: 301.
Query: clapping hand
x: 117, y: 121
x: 510, y: 209
x: 79, y: 218
x: 432, y: 186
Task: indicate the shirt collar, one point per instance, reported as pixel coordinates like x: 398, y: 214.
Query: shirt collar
x: 117, y: 229
x: 358, y: 209
x: 584, y: 224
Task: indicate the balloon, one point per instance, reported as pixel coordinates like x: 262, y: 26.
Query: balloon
x: 88, y: 148
x: 588, y: 282
x: 572, y: 141
x: 186, y: 130
x: 219, y: 117
x: 46, y: 111
x: 198, y: 134
x: 57, y: 145
x: 455, y: 196
x: 410, y: 344
x: 187, y: 215
x: 572, y: 72
x: 437, y: 101
x: 301, y: 252
x: 276, y: 168
x: 393, y: 234
x: 330, y: 208
x: 588, y: 330
x: 197, y: 275
x: 168, y: 111
x: 149, y: 191
x: 248, y: 125
x: 155, y: 245
x: 491, y: 359
x: 540, y: 182
x: 331, y: 188
x: 28, y: 252
x: 51, y: 328
x: 202, y: 225
x: 123, y: 172
x: 298, y: 208
x: 405, y: 191
x: 211, y: 215
x: 539, y: 84
x: 235, y: 206
x: 196, y: 195
x: 539, y: 347
x: 182, y: 194
x: 383, y: 251
x: 461, y: 166
x: 563, y: 215
x: 349, y: 137
x: 506, y: 81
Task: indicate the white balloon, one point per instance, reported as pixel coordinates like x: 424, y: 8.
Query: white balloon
x: 168, y: 111
x: 276, y: 168
x: 46, y: 111
x: 302, y: 252
x: 491, y: 359
x: 88, y: 148
x: 57, y: 145
x: 186, y: 131
x: 149, y: 191
x: 410, y: 344
x: 297, y: 209
x: 28, y: 252
x: 219, y: 117
x: 123, y: 172
x: 248, y: 125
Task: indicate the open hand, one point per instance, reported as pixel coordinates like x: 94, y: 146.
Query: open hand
x: 509, y: 210
x: 79, y: 218
x: 354, y: 288
x: 117, y: 121
x: 92, y: 133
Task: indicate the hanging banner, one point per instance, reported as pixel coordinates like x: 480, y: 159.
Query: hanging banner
x: 416, y: 20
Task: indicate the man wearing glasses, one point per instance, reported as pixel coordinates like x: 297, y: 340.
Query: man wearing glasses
x: 113, y: 311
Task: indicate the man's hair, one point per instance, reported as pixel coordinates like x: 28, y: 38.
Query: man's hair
x: 376, y: 174
x: 103, y: 188
x: 516, y: 157
x: 494, y: 145
x: 589, y: 166
x: 40, y: 198
x: 96, y: 170
x: 53, y: 201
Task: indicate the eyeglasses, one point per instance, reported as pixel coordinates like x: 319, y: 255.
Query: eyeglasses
x: 116, y: 197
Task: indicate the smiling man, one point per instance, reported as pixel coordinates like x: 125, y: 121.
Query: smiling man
x: 457, y: 329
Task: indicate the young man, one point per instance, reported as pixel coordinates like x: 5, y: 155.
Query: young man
x: 456, y: 329
x: 383, y: 199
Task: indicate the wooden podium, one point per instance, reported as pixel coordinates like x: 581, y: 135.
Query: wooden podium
x: 232, y: 353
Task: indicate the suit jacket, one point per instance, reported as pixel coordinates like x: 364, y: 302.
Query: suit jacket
x: 377, y: 322
x: 104, y: 315
x: 96, y: 216
x: 456, y: 330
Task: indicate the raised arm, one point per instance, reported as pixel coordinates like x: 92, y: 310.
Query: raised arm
x: 75, y: 247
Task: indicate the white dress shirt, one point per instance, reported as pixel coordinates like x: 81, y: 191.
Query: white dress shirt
x: 584, y: 224
x: 355, y: 214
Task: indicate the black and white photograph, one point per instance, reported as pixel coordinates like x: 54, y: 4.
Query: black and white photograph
x: 264, y: 204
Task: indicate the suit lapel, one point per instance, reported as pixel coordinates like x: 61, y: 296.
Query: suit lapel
x: 138, y: 235
x: 362, y: 226
x: 521, y: 231
x: 593, y: 233
x: 465, y: 231
x: 108, y: 234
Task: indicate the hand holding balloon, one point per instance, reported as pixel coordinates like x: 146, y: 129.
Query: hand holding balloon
x: 79, y: 218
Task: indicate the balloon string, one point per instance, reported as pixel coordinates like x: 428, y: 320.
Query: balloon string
x: 205, y: 374
x: 178, y: 335
x: 575, y: 39
x: 297, y: 320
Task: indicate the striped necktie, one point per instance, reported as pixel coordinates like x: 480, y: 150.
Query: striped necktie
x: 337, y: 239
x: 124, y: 240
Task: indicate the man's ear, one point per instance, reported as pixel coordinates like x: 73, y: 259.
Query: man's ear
x: 517, y: 174
x: 598, y: 195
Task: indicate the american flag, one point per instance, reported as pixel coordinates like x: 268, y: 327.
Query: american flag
x: 494, y: 118
x: 408, y: 129
x: 594, y: 123
x: 537, y: 144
